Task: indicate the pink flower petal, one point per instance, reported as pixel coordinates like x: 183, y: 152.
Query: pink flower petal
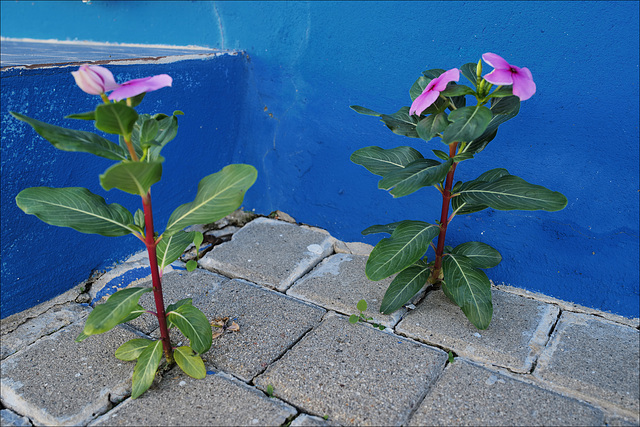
x: 496, y: 61
x: 445, y: 78
x: 523, y: 85
x: 423, y: 101
x: 500, y: 77
x: 138, y: 86
x: 108, y: 81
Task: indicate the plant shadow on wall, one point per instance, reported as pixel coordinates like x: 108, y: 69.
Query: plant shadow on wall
x: 141, y: 138
x: 440, y: 109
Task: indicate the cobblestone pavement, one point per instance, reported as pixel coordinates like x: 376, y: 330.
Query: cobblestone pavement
x: 297, y: 361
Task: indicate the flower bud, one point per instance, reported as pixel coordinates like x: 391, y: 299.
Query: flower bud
x: 94, y: 80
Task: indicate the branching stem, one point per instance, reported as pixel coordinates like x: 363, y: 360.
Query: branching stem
x: 151, y: 243
x: 444, y: 216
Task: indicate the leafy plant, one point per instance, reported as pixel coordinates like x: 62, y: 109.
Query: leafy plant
x: 355, y: 318
x: 439, y: 109
x: 141, y: 138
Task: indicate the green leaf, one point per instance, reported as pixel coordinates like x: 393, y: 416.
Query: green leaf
x: 365, y: 111
x: 218, y: 195
x: 468, y: 124
x: 146, y: 368
x: 77, y: 208
x: 116, y: 310
x: 134, y: 100
x: 194, y: 325
x: 464, y: 206
x: 480, y: 254
x: 362, y: 305
x: 433, y: 73
x: 408, y: 243
x: 89, y: 115
x: 135, y: 313
x: 172, y: 246
x: 404, y: 286
x: 502, y: 109
x: 132, y: 177
x: 462, y: 156
x: 502, y: 92
x: 74, y: 140
x: 191, y: 265
x: 184, y: 301
x: 469, y: 71
x: 439, y: 106
x: 353, y: 319
x: 198, y: 239
x: 138, y: 218
x: 190, y: 362
x: 168, y: 129
x: 418, y: 174
x: 386, y: 228
x: 432, y: 125
x: 148, y: 131
x: 115, y: 118
x: 492, y: 175
x: 401, y: 122
x: 454, y: 90
x: 132, y: 349
x: 513, y: 193
x: 469, y: 288
x: 418, y: 87
x: 380, y: 161
x: 441, y: 154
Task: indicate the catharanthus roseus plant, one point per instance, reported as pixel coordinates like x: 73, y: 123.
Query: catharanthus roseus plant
x: 141, y: 138
x: 439, y: 109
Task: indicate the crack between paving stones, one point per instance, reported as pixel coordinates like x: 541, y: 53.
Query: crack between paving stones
x: 534, y: 363
x: 274, y: 361
x: 428, y: 390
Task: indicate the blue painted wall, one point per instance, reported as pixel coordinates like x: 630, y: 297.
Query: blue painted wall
x: 311, y: 60
x: 41, y: 261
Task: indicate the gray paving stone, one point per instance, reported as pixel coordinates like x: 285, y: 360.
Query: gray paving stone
x: 467, y: 394
x: 514, y: 339
x: 177, y: 285
x: 58, y: 381
x: 45, y: 323
x: 339, y: 282
x: 216, y: 400
x: 270, y: 252
x: 269, y: 323
x: 8, y: 418
x: 355, y: 374
x: 305, y: 420
x: 594, y: 359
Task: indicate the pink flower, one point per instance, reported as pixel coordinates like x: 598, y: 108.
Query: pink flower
x: 432, y: 91
x: 507, y: 74
x: 138, y: 86
x: 94, y: 80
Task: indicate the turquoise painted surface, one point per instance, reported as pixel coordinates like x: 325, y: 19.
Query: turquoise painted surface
x: 310, y: 60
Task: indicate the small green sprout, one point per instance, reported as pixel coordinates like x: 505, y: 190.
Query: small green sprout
x: 355, y: 318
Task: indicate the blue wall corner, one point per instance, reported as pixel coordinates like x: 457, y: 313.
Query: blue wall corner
x: 308, y: 61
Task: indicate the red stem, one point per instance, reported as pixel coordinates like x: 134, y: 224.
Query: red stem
x: 444, y: 216
x: 150, y: 242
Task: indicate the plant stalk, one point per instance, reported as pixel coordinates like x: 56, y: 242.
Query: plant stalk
x: 444, y: 217
x: 151, y: 243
